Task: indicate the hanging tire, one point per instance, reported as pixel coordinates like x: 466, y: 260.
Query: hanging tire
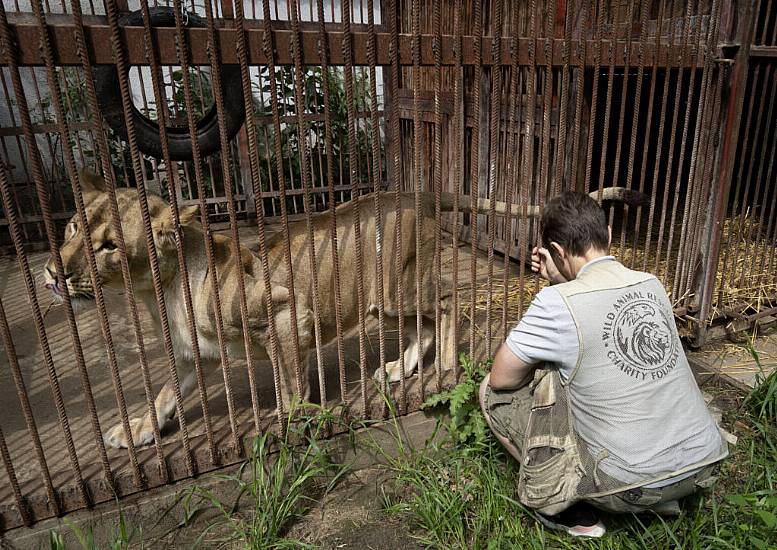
x: 146, y: 130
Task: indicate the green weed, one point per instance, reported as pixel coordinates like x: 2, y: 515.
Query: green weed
x: 277, y: 485
x: 460, y: 492
x: 120, y: 540
x: 466, y: 426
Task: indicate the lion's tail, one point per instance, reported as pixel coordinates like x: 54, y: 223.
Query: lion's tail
x: 483, y: 206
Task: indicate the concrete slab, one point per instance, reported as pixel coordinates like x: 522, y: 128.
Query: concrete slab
x: 736, y: 363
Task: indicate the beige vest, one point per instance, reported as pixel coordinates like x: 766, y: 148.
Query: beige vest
x: 631, y: 413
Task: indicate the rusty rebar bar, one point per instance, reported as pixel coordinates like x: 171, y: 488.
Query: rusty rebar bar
x: 24, y: 401
x: 345, y: 8
x: 8, y: 49
x: 495, y: 124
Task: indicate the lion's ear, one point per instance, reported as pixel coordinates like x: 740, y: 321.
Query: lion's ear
x: 91, y: 183
x: 188, y: 214
x: 163, y: 229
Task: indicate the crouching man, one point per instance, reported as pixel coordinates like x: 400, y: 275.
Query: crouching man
x: 592, y: 392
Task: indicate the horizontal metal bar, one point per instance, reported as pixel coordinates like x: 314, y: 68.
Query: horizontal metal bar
x: 98, y: 40
x: 6, y: 131
x: 763, y: 51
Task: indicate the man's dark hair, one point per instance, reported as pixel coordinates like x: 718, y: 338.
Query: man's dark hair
x: 576, y: 222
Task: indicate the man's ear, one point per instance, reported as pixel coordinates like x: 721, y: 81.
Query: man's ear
x: 91, y: 183
x: 557, y: 250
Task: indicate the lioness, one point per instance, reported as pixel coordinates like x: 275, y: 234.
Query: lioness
x: 109, y: 270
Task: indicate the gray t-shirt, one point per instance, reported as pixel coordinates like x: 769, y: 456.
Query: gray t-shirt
x: 547, y: 331
x: 547, y: 334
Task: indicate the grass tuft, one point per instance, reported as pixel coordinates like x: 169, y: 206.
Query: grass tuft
x: 460, y: 491
x: 278, y: 484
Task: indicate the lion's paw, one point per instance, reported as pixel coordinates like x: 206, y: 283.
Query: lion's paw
x: 141, y: 435
x: 393, y: 372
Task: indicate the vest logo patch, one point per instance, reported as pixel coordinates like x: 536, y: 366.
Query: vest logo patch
x: 638, y: 337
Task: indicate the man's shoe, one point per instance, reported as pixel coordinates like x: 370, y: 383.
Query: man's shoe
x: 579, y: 520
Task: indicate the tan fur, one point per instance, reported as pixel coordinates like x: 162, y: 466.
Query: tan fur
x: 108, y: 264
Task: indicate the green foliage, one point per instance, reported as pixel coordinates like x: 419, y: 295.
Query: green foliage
x: 466, y: 426
x: 120, y: 540
x: 313, y: 82
x: 762, y: 401
x: 462, y: 493
x: 276, y: 485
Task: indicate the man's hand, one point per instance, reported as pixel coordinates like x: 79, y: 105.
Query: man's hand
x: 542, y: 262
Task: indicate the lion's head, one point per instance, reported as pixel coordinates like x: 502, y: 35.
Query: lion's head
x: 104, y: 240
x: 651, y: 342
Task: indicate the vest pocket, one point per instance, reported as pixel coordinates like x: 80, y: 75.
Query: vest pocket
x: 549, y: 473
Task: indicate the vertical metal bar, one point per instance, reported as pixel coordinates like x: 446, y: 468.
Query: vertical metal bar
x: 269, y: 52
x: 12, y: 479
x: 594, y: 94
x: 528, y: 150
x: 660, y: 141
x: 748, y: 178
x: 105, y: 161
x: 670, y: 164
x: 622, y: 112
x: 514, y: 127
x: 475, y: 144
x: 330, y: 177
x: 646, y: 147
x: 561, y: 140
x: 635, y: 128
x: 253, y: 151
x: 706, y: 172
x: 354, y: 178
x: 580, y: 54
x: 532, y: 185
x: 417, y: 129
x: 735, y: 79
x: 7, y: 41
x: 458, y: 146
x: 376, y: 178
x: 733, y: 243
x: 151, y: 53
x: 437, y: 23
x: 304, y: 158
x: 495, y: 122
x: 45, y: 205
x: 772, y: 209
x: 235, y: 243
x: 197, y: 160
x: 70, y: 163
x: 111, y: 10
x: 24, y: 400
x: 608, y: 102
x: 396, y: 137
x: 694, y: 200
x: 547, y: 96
x: 759, y: 198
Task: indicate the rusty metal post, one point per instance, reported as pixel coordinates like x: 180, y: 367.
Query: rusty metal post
x: 736, y: 29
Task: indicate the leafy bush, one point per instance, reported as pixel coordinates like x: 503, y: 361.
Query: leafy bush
x: 465, y: 425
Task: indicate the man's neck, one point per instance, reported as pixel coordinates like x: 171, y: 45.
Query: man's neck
x: 576, y: 263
